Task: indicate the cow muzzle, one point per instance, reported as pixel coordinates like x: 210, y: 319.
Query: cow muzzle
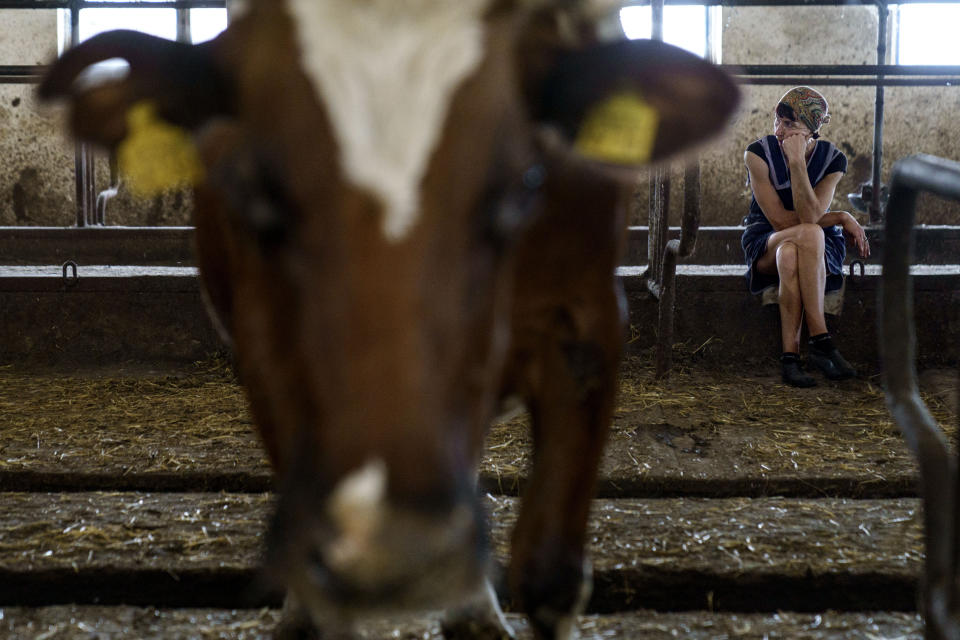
x: 362, y: 553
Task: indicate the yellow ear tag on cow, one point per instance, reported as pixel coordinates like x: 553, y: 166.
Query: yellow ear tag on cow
x: 156, y: 155
x: 622, y: 130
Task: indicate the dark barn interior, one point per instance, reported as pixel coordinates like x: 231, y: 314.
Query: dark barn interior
x: 134, y: 490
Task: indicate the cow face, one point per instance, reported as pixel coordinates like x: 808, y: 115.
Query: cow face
x: 368, y: 168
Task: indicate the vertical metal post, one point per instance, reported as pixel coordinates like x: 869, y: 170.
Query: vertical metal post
x: 658, y: 224
x: 656, y: 20
x: 74, y: 24
x: 89, y: 184
x: 876, y: 214
x: 692, y: 200
x: 659, y: 186
x: 659, y: 283
x: 183, y: 26
x: 83, y: 157
x: 658, y: 227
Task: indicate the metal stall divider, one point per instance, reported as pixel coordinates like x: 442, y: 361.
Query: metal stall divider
x: 938, y: 468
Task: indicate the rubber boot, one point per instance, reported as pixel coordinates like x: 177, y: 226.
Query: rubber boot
x: 791, y: 372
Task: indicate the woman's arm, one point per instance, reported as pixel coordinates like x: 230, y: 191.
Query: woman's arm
x: 831, y: 218
x: 765, y: 194
x: 805, y: 199
x: 771, y: 205
x: 850, y: 227
x: 809, y: 202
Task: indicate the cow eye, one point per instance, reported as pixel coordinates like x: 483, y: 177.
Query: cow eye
x: 517, y: 209
x: 270, y: 212
x: 266, y: 221
x: 258, y: 199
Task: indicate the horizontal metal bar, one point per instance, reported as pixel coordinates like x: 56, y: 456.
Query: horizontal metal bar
x: 791, y: 80
x: 14, y: 70
x: 889, y: 70
x: 854, y: 82
x: 21, y: 74
x: 785, y: 80
x: 125, y: 4
x: 66, y: 4
x: 841, y: 69
x: 801, y: 3
x: 39, y: 4
x: 786, y: 3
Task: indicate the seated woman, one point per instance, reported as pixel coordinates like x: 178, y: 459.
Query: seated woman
x: 792, y: 239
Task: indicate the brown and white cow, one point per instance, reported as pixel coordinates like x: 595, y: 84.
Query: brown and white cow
x: 410, y: 210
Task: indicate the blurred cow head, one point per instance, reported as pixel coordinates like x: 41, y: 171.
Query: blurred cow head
x: 368, y: 168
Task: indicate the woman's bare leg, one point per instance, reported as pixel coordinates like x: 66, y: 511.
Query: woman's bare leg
x: 812, y: 271
x: 791, y: 304
x: 796, y: 255
x: 810, y: 268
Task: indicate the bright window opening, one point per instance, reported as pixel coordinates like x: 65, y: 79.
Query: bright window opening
x: 156, y: 22
x: 683, y: 25
x: 205, y: 24
x: 926, y: 34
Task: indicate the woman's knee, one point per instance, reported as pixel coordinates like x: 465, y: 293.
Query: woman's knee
x: 787, y: 260
x: 809, y: 237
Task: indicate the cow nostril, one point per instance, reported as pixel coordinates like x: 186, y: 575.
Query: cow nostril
x: 317, y: 573
x: 414, y: 558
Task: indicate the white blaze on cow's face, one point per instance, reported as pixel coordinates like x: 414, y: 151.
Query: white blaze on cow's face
x: 356, y: 507
x: 386, y: 70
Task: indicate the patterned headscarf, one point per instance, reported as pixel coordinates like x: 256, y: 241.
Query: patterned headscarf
x: 808, y: 106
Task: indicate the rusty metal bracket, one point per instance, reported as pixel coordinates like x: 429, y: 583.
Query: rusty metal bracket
x: 858, y: 263
x: 107, y: 194
x: 938, y: 468
x: 657, y: 228
x: 72, y: 279
x: 664, y: 255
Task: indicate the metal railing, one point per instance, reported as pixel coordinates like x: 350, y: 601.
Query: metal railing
x: 879, y: 75
x: 938, y: 467
x: 661, y: 274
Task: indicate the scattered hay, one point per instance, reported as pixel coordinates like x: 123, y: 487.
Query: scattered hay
x: 197, y: 420
x: 84, y: 622
x: 131, y: 530
x: 721, y: 422
x: 123, y: 424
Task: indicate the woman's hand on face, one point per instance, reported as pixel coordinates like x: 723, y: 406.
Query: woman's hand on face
x: 852, y: 228
x: 795, y: 147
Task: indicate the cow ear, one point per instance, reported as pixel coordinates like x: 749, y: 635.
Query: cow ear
x: 630, y: 103
x: 182, y: 82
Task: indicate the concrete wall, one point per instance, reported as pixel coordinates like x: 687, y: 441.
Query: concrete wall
x: 791, y: 35
x: 36, y: 175
x: 917, y: 119
x: 36, y: 162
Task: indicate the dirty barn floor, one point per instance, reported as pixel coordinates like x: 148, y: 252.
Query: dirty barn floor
x: 730, y: 507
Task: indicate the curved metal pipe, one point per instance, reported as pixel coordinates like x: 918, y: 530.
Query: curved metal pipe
x: 672, y: 251
x: 938, y: 469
